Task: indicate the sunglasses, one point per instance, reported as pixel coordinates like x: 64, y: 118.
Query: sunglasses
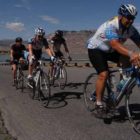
x: 40, y: 36
x: 130, y: 17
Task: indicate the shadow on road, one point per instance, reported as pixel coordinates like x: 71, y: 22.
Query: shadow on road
x: 60, y: 99
x: 121, y: 115
x: 74, y: 85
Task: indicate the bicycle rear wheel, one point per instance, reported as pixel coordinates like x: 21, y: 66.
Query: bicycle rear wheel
x: 45, y: 90
x: 19, y: 83
x: 62, y: 77
x: 90, y: 92
x: 132, y: 102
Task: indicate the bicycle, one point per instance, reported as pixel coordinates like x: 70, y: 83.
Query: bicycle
x: 111, y: 102
x: 40, y: 84
x: 19, y: 80
x: 58, y: 74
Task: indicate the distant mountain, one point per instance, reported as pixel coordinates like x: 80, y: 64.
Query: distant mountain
x: 76, y: 41
x: 6, y: 43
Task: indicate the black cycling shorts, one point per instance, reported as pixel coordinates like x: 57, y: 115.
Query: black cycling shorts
x: 37, y: 54
x: 99, y: 59
x: 58, y: 54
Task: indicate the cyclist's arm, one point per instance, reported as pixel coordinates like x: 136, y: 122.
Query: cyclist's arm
x: 134, y: 57
x: 66, y: 49
x: 49, y: 51
x: 11, y: 54
x: 30, y: 47
x: 116, y: 45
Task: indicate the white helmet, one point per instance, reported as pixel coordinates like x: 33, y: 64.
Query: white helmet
x: 128, y: 10
x: 39, y: 31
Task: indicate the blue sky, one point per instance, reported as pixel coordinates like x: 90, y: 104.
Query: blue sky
x: 21, y: 17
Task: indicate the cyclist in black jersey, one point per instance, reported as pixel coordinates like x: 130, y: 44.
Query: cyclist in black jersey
x: 56, y: 42
x: 16, y: 54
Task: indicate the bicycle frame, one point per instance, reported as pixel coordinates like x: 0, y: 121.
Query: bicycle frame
x: 36, y: 74
x: 131, y: 81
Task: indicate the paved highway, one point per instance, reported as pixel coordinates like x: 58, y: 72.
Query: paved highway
x: 67, y: 117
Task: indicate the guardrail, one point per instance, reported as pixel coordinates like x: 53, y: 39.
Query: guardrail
x: 73, y: 63
x: 4, y: 63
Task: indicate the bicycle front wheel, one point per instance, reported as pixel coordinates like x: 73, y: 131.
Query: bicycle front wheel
x: 133, y: 107
x: 45, y: 90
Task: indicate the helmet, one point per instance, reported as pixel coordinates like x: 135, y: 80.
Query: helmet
x: 18, y: 39
x: 39, y: 31
x: 128, y: 10
x: 59, y: 33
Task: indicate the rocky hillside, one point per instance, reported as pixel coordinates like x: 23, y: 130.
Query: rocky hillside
x: 76, y: 41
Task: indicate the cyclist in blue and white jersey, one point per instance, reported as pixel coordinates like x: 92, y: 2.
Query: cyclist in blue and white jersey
x: 107, y: 44
x: 35, y: 46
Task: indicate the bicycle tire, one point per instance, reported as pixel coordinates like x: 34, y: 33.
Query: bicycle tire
x: 22, y: 81
x: 90, y: 93
x: 62, y: 77
x: 133, y: 107
x: 44, y: 89
x: 19, y: 83
x: 51, y: 76
x: 90, y: 90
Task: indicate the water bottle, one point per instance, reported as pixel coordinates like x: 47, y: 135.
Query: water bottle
x: 113, y: 87
x: 121, y: 84
x: 113, y: 83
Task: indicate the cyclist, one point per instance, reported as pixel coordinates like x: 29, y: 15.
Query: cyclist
x: 107, y: 44
x: 35, y: 46
x: 16, y: 54
x: 57, y: 40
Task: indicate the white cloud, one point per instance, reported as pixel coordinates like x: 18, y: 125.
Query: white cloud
x: 18, y: 5
x: 50, y: 19
x: 23, y: 4
x: 15, y: 26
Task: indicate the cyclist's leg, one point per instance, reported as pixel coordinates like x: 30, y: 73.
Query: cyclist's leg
x: 99, y: 61
x: 37, y: 55
x: 14, y: 70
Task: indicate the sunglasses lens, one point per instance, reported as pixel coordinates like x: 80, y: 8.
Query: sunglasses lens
x: 130, y: 17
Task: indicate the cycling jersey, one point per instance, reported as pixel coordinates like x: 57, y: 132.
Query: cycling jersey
x: 38, y: 44
x: 111, y: 30
x: 18, y: 51
x: 57, y: 42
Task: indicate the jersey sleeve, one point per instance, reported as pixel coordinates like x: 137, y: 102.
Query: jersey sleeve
x: 30, y: 41
x: 135, y: 37
x: 111, y: 33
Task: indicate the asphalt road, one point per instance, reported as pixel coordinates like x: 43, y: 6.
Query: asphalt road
x: 67, y: 117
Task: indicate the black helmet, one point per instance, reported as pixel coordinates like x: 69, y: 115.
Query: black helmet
x: 128, y: 10
x: 59, y: 33
x: 18, y: 39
